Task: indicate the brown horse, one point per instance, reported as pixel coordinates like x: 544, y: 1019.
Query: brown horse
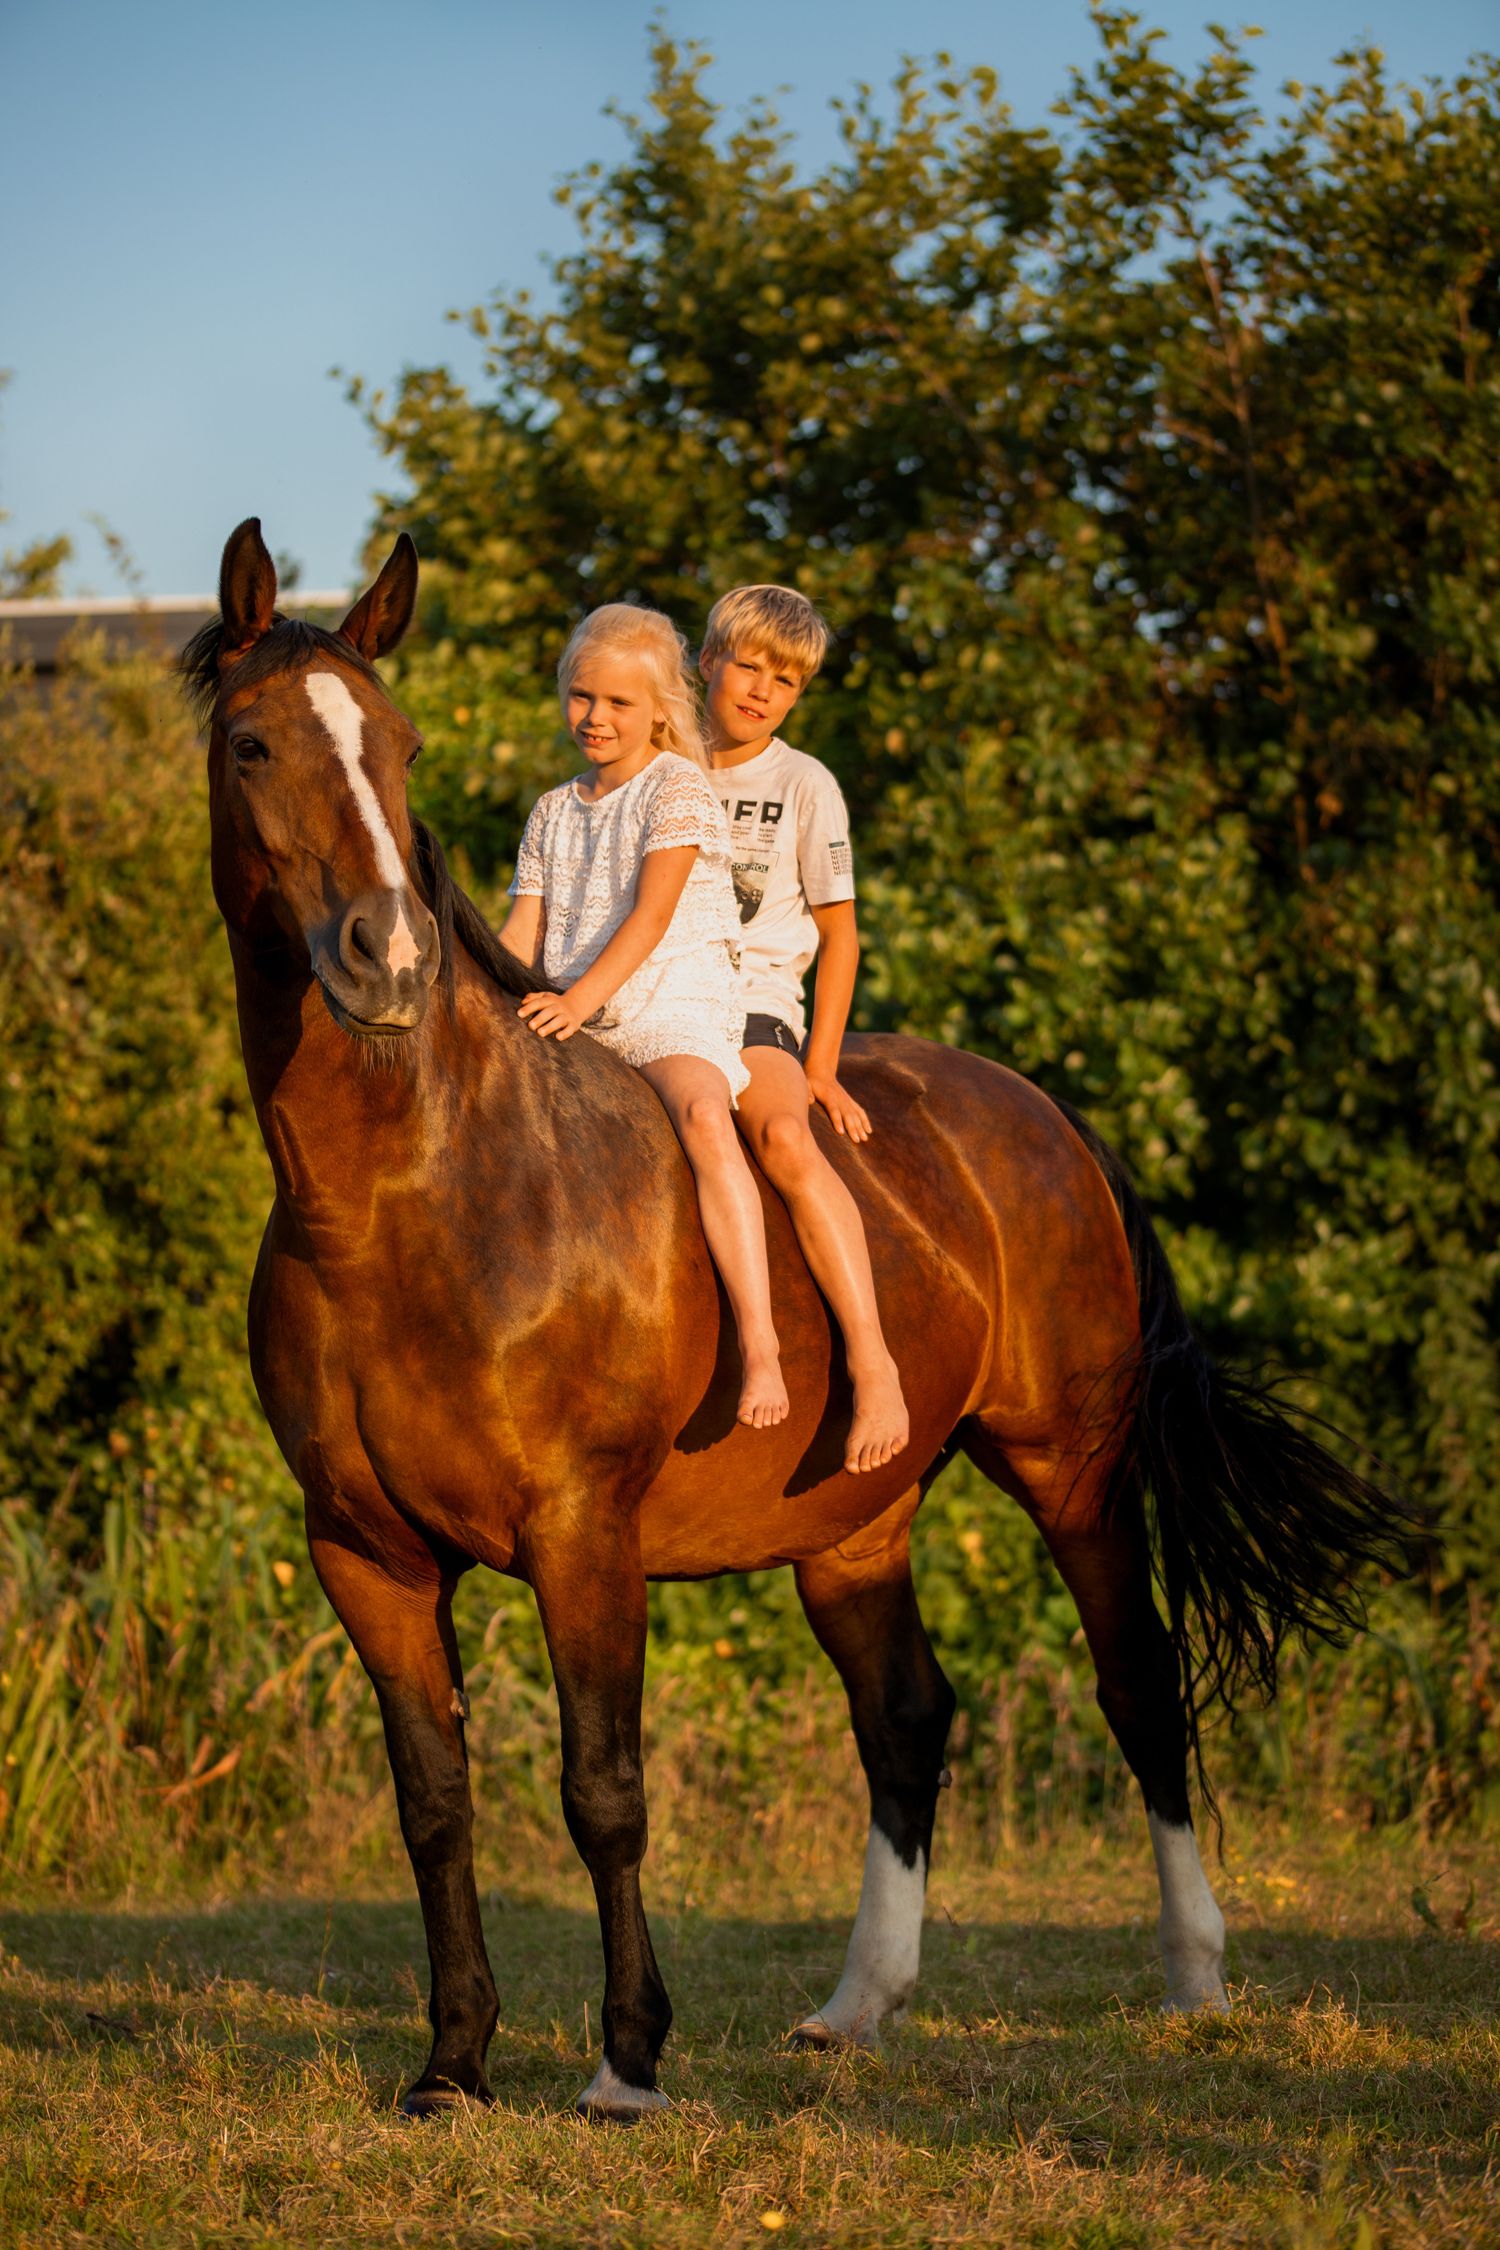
x: 485, y: 1328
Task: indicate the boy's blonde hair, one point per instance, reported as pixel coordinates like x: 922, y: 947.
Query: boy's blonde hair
x: 773, y: 621
x: 663, y: 651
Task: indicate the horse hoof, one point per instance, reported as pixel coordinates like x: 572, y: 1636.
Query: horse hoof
x: 1212, y: 2000
x: 812, y: 2037
x: 437, y: 2101
x: 816, y: 2036
x: 612, y: 2100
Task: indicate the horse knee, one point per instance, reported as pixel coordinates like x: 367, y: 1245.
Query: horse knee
x: 604, y: 1806
x: 430, y: 1773
x: 435, y: 1811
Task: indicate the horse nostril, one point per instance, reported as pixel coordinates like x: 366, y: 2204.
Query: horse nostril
x: 359, y: 941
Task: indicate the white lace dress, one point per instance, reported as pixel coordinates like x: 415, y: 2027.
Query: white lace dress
x: 582, y: 859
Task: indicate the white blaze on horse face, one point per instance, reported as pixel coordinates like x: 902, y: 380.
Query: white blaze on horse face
x: 1192, y: 1928
x: 345, y: 724
x: 885, y: 1947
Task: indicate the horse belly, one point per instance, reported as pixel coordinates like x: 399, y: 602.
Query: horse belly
x: 729, y: 1498
x: 731, y: 1509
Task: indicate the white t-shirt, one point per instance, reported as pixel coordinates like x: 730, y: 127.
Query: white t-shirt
x: 789, y: 851
x: 582, y: 856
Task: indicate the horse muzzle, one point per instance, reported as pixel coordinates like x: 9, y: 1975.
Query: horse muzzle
x: 376, y: 962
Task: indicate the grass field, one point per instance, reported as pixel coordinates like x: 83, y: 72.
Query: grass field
x: 225, y: 2070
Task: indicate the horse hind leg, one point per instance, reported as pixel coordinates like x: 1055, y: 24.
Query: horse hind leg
x: 862, y: 1607
x: 1103, y: 1557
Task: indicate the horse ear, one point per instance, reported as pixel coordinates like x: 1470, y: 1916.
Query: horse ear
x: 380, y: 617
x: 247, y: 590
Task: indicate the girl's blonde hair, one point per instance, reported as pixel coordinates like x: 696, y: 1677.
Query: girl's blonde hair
x: 661, y: 649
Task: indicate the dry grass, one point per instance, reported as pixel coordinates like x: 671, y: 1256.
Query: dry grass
x: 225, y: 2071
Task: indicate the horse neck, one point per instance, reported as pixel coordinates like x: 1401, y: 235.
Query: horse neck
x: 322, y: 1098
x: 338, y: 1115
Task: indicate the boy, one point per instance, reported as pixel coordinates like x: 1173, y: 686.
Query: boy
x: 794, y: 881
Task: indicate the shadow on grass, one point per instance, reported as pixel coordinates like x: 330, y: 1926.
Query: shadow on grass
x: 1044, y: 2036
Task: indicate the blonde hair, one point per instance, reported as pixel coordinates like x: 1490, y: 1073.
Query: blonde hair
x: 773, y: 621
x: 662, y: 650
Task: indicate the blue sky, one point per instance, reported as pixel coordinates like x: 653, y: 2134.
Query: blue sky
x: 207, y: 208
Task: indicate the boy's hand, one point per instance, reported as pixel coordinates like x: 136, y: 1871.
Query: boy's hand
x: 551, y: 1015
x: 843, y: 1113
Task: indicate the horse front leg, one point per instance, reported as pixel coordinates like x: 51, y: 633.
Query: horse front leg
x: 402, y: 1630
x: 591, y: 1592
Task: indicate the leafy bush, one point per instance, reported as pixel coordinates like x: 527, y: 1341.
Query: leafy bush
x: 1149, y: 471
x: 173, y: 1691
x: 1149, y: 475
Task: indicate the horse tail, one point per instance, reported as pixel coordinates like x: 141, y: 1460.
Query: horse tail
x: 1258, y: 1530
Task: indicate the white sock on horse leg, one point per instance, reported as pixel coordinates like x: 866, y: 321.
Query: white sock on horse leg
x: 885, y: 1947
x: 1192, y: 1928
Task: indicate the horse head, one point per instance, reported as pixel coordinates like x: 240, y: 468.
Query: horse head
x: 308, y: 759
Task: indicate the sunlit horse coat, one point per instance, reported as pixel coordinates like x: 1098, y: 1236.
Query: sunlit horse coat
x: 485, y: 1328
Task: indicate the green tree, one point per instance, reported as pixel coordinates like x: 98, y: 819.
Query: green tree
x: 134, y: 1186
x: 1147, y: 470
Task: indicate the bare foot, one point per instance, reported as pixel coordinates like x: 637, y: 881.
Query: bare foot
x: 763, y: 1399
x: 880, y: 1428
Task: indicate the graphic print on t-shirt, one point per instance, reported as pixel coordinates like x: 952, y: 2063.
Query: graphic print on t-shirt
x: 755, y: 833
x: 749, y: 885
x: 789, y: 852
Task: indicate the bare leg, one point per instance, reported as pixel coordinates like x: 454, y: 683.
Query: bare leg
x: 773, y: 1116
x: 696, y: 1097
x: 403, y: 1635
x: 864, y: 1612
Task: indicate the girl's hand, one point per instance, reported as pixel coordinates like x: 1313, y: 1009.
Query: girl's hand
x: 844, y: 1115
x: 551, y: 1015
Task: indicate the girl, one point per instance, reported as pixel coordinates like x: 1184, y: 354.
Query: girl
x: 623, y: 889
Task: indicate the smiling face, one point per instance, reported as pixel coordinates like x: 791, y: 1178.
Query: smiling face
x: 612, y: 713
x: 749, y: 696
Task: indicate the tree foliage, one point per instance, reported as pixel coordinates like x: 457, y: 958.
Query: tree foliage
x: 134, y: 1187
x: 1147, y: 470
x: 170, y: 1681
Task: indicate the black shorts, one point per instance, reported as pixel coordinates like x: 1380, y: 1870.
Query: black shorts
x: 770, y: 1031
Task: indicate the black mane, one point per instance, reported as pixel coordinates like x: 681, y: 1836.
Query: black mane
x: 288, y: 645
x: 453, y: 910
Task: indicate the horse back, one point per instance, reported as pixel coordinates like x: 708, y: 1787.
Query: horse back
x: 1004, y: 1285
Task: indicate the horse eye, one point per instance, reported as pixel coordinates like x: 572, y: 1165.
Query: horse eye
x: 247, y: 751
